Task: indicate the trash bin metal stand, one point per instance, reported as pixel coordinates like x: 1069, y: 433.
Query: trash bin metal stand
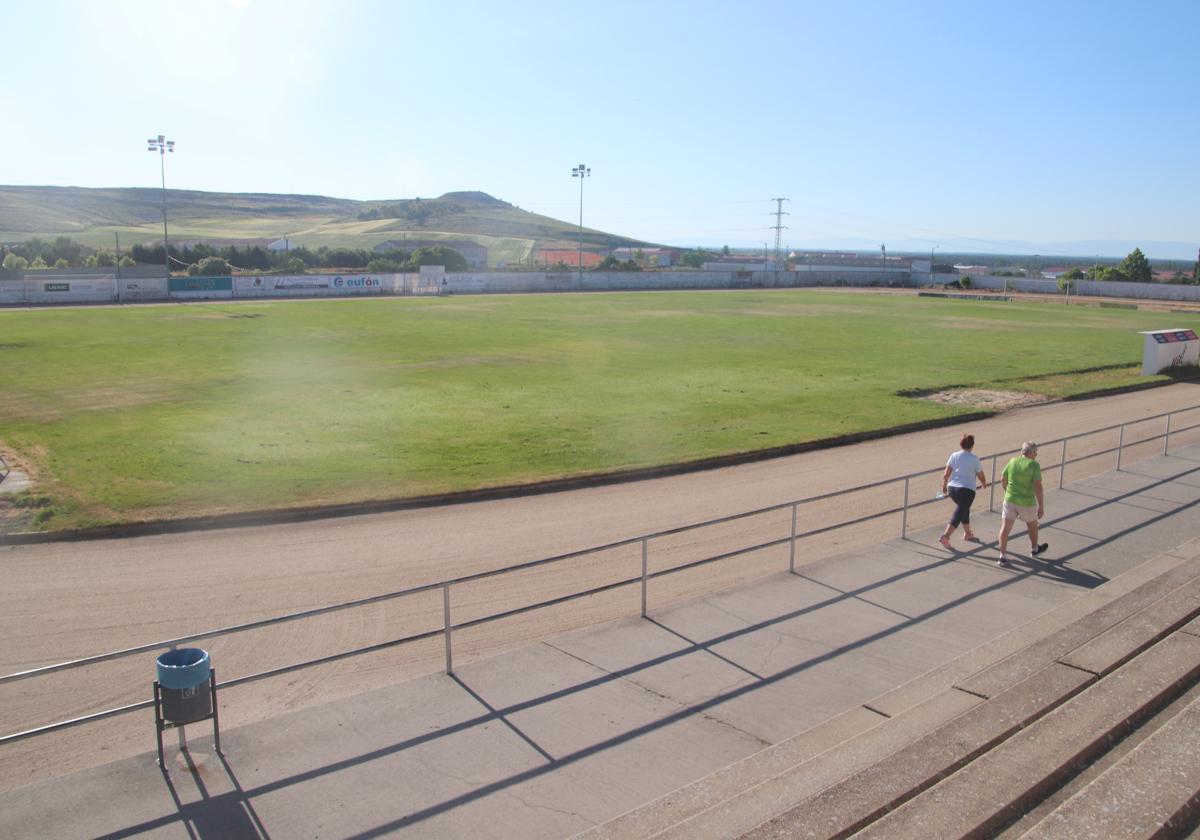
x: 158, y: 724
x: 212, y: 686
x: 161, y: 724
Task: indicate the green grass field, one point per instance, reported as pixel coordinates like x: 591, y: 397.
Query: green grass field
x: 166, y: 411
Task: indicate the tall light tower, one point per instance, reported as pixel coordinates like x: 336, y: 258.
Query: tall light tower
x: 162, y: 145
x: 581, y: 172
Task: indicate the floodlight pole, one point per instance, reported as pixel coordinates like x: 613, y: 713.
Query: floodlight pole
x: 581, y: 171
x: 162, y: 145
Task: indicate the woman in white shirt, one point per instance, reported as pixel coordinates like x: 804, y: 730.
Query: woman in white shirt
x: 958, y: 482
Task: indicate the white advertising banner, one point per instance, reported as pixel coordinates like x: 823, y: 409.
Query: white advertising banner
x: 14, y: 291
x: 250, y: 286
x: 311, y: 285
x: 71, y: 288
x: 357, y: 284
x: 154, y: 288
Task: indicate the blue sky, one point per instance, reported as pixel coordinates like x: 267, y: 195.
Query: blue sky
x: 916, y: 124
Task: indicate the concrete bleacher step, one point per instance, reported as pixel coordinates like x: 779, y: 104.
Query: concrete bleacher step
x: 1086, y: 774
x: 950, y: 785
x: 997, y: 787
x: 1153, y: 790
x: 863, y: 763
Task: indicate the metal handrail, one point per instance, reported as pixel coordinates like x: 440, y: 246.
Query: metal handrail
x: 450, y: 627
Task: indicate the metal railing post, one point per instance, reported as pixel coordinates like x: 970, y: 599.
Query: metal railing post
x: 992, y: 488
x: 904, y: 513
x: 792, y: 543
x: 1062, y: 464
x: 645, y: 565
x: 1120, y: 446
x: 1167, y: 439
x: 446, y: 625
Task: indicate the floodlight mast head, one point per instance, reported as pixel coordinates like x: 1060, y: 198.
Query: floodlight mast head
x: 160, y: 144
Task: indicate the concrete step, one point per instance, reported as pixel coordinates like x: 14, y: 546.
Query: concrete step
x: 929, y: 709
x: 1110, y: 636
x: 1000, y: 785
x: 992, y: 680
x: 1153, y: 791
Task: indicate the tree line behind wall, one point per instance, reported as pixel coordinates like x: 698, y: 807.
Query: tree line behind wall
x: 1135, y: 268
x: 201, y: 258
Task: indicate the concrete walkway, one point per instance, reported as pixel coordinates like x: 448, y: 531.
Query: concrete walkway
x: 552, y: 739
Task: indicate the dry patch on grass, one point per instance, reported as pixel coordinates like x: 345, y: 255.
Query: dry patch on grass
x: 463, y: 361
x: 25, y: 406
x: 810, y: 310
x: 985, y: 399
x: 977, y: 324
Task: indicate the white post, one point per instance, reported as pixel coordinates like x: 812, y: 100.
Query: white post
x: 1062, y: 464
x: 645, y: 551
x: 792, y: 545
x: 446, y: 625
x: 992, y: 487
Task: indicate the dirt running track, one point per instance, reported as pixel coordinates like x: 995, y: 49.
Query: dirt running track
x: 68, y: 600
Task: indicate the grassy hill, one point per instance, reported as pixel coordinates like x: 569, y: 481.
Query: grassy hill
x: 92, y: 216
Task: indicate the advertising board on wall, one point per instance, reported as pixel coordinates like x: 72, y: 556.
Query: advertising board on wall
x: 13, y: 291
x: 357, y: 284
x: 310, y: 285
x: 71, y: 288
x: 154, y: 288
x: 200, y: 288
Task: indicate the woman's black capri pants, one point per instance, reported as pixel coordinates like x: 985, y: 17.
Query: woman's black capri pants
x: 963, y: 497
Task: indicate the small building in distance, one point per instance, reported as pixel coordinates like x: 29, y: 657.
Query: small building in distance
x: 652, y: 257
x: 568, y: 258
x: 474, y: 253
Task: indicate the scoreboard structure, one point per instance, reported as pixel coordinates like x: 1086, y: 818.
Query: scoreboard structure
x: 1169, y: 348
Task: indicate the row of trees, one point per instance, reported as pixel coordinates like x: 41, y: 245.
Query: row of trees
x: 301, y: 260
x: 1135, y: 268
x: 63, y: 252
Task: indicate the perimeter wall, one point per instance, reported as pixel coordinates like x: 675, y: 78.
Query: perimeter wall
x: 42, y: 288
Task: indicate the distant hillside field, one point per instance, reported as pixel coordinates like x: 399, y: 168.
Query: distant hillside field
x: 92, y: 216
x: 160, y: 412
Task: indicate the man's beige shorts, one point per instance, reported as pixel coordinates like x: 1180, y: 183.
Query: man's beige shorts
x: 1026, y: 513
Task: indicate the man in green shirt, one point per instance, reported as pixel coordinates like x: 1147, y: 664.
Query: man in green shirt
x: 1022, y: 480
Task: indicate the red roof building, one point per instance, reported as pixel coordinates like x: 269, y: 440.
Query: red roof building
x: 569, y: 258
